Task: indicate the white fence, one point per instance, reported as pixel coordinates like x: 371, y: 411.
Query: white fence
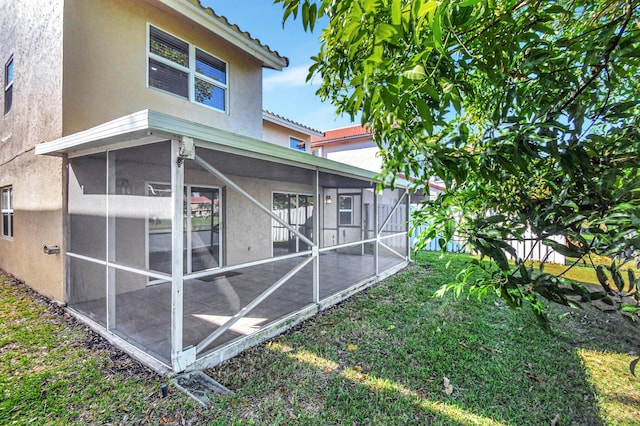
x: 528, y: 249
x: 280, y: 233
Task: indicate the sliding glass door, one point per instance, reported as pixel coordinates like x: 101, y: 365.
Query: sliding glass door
x: 202, y: 230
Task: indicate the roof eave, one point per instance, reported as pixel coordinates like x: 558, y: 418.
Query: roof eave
x: 281, y: 121
x: 198, y: 14
x: 149, y: 126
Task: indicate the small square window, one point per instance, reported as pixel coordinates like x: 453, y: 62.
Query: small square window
x: 297, y: 144
x: 6, y: 206
x: 345, y: 210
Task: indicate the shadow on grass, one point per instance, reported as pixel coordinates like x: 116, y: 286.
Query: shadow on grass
x: 382, y: 358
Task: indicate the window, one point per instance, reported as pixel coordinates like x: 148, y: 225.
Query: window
x: 297, y: 144
x: 8, y: 85
x: 6, y: 204
x: 345, y: 210
x: 178, y: 67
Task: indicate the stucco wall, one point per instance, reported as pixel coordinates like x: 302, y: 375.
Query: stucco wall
x: 280, y: 135
x: 32, y: 32
x: 105, y: 48
x: 358, y: 155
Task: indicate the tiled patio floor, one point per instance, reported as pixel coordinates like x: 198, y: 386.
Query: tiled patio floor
x: 143, y: 317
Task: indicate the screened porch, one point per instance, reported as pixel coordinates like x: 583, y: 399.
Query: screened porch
x: 187, y: 244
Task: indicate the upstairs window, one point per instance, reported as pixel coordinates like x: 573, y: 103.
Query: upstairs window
x: 6, y: 205
x: 178, y: 67
x: 297, y: 144
x: 8, y: 85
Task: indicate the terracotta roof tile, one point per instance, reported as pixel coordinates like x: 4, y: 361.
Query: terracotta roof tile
x: 342, y: 133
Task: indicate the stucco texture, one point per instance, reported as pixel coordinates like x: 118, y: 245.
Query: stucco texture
x: 105, y: 68
x: 32, y: 34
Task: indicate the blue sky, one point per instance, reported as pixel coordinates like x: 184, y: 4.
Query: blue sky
x: 284, y: 92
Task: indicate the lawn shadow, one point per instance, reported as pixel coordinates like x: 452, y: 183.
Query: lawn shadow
x: 382, y: 357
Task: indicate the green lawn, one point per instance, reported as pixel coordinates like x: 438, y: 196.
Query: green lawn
x: 379, y: 358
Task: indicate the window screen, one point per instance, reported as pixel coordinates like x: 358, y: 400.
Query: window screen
x: 173, y: 68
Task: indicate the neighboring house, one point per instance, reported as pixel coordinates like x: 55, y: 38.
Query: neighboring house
x: 282, y: 131
x: 138, y: 190
x: 351, y: 145
x: 354, y: 145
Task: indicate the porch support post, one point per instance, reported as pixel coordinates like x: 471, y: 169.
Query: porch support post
x: 255, y: 302
x: 376, y: 265
x: 317, y: 203
x: 408, y: 225
x: 111, y: 241
x: 177, y: 239
x: 208, y: 167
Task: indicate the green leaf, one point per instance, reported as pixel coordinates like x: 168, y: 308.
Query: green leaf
x: 562, y: 248
x: 385, y: 32
x: 436, y: 28
x: 396, y: 12
x: 466, y: 3
x: 415, y: 73
x: 633, y: 309
x: 617, y: 278
x: 602, y: 278
x: 427, y: 10
x: 632, y: 280
x: 313, y: 15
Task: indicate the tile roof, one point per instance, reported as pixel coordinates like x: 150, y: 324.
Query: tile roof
x: 209, y: 11
x: 343, y: 133
x: 277, y: 118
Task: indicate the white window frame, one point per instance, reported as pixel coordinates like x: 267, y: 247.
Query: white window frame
x: 7, y: 211
x: 8, y: 84
x: 190, y: 70
x: 340, y: 211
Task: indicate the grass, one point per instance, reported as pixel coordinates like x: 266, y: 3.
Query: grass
x: 379, y: 358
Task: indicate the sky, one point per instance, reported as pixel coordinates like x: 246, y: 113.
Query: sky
x: 285, y: 92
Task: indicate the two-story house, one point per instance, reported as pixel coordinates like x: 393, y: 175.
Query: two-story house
x: 138, y: 188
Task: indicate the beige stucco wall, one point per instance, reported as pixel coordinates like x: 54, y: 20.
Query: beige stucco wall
x: 105, y: 48
x: 31, y: 32
x: 280, y: 135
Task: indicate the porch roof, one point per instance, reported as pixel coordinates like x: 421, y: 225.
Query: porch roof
x: 148, y: 126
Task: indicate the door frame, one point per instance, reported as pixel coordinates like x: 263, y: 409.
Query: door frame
x: 188, y: 259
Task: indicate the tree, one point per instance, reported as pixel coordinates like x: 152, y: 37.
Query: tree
x: 528, y: 110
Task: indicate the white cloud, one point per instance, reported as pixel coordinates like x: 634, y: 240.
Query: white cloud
x: 291, y: 77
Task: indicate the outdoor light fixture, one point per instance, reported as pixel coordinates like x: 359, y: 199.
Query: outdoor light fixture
x: 327, y: 199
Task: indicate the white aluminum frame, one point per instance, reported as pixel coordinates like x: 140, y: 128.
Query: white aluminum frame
x: 149, y: 127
